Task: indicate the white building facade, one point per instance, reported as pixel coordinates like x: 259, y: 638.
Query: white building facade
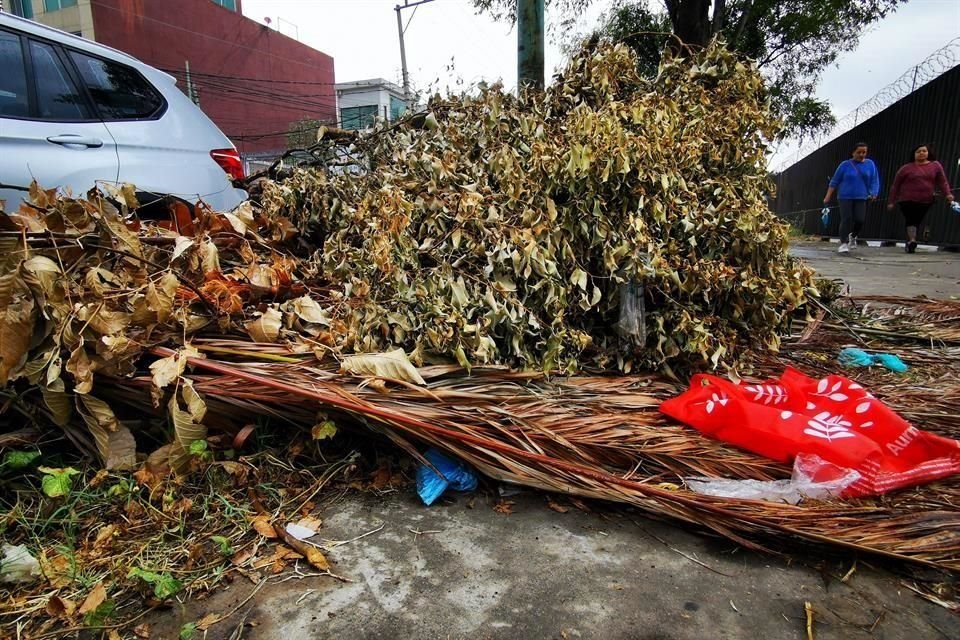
x: 362, y: 102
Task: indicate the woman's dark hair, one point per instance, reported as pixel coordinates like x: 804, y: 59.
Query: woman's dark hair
x: 858, y: 145
x: 930, y: 155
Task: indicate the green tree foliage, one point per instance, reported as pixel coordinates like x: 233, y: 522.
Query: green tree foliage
x: 792, y: 41
x: 302, y: 133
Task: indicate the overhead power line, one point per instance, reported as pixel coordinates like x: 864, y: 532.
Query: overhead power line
x: 372, y: 83
x: 286, y: 100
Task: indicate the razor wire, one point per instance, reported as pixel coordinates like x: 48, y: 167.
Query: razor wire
x: 935, y: 65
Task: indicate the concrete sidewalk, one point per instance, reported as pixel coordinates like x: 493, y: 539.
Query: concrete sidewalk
x: 885, y: 270
x: 460, y: 569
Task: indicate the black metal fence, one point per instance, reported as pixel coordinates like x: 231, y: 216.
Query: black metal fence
x: 931, y: 115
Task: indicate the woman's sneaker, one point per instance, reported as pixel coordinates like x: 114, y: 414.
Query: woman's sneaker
x: 853, y: 241
x: 844, y: 248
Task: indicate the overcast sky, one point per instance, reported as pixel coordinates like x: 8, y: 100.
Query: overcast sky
x: 448, y: 43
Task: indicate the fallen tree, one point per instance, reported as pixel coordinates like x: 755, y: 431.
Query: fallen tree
x: 609, y: 222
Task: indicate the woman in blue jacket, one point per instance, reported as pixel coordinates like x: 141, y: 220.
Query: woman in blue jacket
x: 855, y: 181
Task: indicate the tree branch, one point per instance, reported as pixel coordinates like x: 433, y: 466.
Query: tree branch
x: 780, y: 52
x: 742, y: 23
x: 672, y: 11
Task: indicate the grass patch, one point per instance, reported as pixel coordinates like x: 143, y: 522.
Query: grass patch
x: 113, y: 546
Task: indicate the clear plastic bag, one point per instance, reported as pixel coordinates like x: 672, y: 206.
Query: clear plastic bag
x: 813, y: 478
x: 632, y: 324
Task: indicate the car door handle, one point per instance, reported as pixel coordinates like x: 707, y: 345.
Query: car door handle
x: 83, y: 141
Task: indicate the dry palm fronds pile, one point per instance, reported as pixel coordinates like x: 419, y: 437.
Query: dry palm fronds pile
x: 598, y: 437
x: 936, y: 321
x: 515, y: 231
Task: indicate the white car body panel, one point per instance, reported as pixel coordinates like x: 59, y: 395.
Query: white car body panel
x: 169, y: 154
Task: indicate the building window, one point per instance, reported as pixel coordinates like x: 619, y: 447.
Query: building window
x: 22, y: 8
x: 56, y: 5
x: 358, y: 117
x: 397, y: 108
x: 227, y: 4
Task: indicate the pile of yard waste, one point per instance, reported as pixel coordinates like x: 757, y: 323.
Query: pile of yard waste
x: 429, y: 284
x: 608, y: 222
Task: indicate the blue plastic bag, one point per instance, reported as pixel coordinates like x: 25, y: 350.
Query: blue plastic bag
x: 851, y: 357
x: 955, y: 205
x: 456, y: 476
x: 825, y: 217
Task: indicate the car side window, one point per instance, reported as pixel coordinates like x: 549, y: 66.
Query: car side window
x: 58, y: 98
x: 14, y: 102
x: 119, y: 92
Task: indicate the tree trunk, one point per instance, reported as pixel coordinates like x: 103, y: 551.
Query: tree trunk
x: 719, y: 9
x: 691, y: 20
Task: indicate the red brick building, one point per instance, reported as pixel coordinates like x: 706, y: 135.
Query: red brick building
x: 254, y: 82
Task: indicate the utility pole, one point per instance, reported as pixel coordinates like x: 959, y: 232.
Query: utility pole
x: 191, y: 93
x: 530, y: 44
x: 403, y: 50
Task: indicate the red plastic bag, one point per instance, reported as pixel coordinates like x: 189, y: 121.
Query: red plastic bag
x: 834, y: 418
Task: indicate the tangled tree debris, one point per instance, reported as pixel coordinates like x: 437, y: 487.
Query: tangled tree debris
x: 510, y: 231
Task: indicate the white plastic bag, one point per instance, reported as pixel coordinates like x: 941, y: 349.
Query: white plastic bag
x: 18, y: 565
x: 813, y: 478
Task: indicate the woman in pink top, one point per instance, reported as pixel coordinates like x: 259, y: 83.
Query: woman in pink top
x: 913, y: 190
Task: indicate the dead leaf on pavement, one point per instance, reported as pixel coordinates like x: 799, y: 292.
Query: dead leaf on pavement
x: 313, y: 555
x: 94, y: 599
x: 382, y: 477
x: 317, y: 559
x: 208, y: 621
x: 556, y: 506
x: 142, y: 631
x: 580, y: 504
x: 310, y: 522
x: 278, y: 561
x: 504, y: 506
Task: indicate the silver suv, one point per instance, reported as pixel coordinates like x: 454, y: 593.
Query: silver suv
x: 74, y: 113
